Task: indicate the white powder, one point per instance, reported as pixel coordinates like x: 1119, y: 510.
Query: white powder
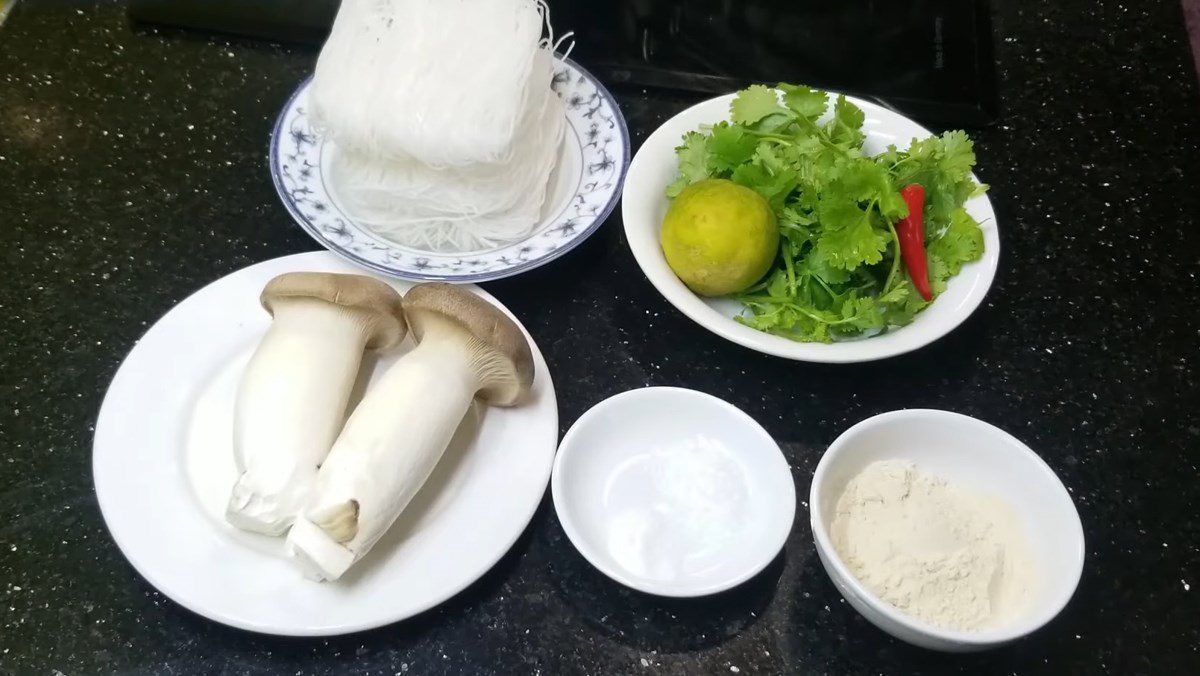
x: 953, y: 557
x: 677, y: 509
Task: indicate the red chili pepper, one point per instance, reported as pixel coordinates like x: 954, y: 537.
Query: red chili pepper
x: 911, y: 231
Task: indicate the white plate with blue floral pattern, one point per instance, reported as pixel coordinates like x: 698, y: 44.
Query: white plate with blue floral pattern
x: 584, y: 189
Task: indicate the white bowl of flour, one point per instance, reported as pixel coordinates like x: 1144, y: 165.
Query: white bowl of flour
x: 945, y: 531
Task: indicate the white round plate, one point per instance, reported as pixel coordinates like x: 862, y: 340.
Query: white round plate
x: 584, y: 188
x: 163, y: 465
x: 673, y: 492
x: 644, y: 204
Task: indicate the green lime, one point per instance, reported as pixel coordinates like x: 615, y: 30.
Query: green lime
x: 719, y: 237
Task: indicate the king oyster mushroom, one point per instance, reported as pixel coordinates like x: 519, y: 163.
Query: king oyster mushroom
x: 292, y: 398
x: 467, y: 349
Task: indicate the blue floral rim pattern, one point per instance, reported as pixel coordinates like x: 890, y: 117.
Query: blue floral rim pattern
x: 594, y: 124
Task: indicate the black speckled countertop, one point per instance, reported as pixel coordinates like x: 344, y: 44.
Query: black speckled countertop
x: 133, y: 172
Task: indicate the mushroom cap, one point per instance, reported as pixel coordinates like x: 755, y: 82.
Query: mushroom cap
x: 380, y: 306
x: 505, y: 362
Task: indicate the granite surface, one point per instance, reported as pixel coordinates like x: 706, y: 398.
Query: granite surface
x: 1191, y: 15
x: 133, y: 172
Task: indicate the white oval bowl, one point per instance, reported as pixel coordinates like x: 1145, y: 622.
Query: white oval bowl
x: 644, y: 203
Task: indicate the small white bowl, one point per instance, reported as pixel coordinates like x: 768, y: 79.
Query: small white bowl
x: 673, y: 492
x: 970, y: 453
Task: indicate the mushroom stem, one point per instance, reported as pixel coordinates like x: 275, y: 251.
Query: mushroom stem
x: 293, y: 394
x: 387, y: 450
x: 290, y: 406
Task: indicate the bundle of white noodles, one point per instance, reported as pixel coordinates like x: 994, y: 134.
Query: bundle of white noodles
x: 445, y: 126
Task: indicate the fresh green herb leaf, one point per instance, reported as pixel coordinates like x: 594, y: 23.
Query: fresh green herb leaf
x: 939, y: 272
x: 729, y: 146
x: 849, y: 237
x: 961, y: 242
x: 693, y: 162
x: 805, y: 101
x: 817, y: 264
x: 845, y: 129
x: 957, y: 155
x: 902, y: 303
x: 754, y: 103
x: 864, y: 313
x: 773, y: 186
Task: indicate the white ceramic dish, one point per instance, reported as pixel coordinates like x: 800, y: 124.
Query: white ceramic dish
x: 673, y: 492
x: 584, y: 189
x: 163, y: 465
x: 644, y: 204
x: 971, y: 453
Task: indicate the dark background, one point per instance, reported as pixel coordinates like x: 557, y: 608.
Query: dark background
x: 133, y: 171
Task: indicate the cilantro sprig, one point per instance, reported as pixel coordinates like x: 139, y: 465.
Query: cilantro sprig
x: 838, y: 273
